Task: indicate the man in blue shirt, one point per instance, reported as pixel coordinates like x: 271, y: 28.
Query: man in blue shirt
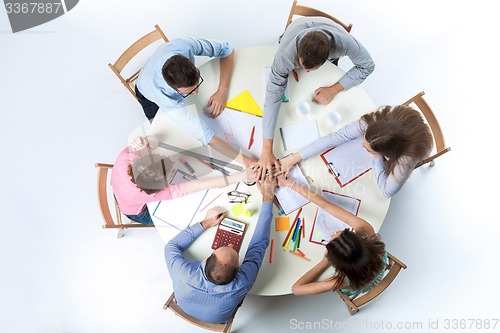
x: 170, y: 75
x: 211, y: 290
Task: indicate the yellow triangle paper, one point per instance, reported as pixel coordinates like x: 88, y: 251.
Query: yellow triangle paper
x: 244, y: 102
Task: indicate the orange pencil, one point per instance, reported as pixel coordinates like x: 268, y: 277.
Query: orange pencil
x: 271, y: 250
x: 292, y: 227
x: 301, y: 253
x: 298, y: 255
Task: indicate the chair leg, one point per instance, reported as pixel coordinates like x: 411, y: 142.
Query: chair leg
x: 432, y: 163
x: 121, y: 232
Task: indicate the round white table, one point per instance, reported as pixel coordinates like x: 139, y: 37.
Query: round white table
x: 276, y: 277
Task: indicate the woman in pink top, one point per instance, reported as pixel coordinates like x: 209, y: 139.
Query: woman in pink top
x: 139, y: 177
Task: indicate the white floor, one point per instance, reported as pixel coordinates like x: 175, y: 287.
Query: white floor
x: 62, y: 110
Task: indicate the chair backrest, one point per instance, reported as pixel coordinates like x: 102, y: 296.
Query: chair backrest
x: 225, y: 328
x: 130, y: 53
x: 103, y: 199
x: 392, y: 270
x: 308, y: 11
x: 420, y: 104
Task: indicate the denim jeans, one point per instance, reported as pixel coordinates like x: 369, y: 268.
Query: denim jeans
x: 149, y: 107
x: 142, y: 217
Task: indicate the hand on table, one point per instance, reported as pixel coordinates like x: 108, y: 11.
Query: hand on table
x: 217, y: 103
x: 214, y: 216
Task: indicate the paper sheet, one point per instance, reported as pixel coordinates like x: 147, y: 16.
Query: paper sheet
x: 325, y: 224
x: 287, y: 197
x: 179, y: 212
x: 299, y: 135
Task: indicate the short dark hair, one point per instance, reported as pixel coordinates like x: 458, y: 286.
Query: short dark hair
x: 219, y: 273
x: 179, y: 72
x: 355, y: 257
x: 314, y: 49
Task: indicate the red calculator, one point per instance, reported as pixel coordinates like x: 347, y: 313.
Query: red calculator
x: 228, y: 232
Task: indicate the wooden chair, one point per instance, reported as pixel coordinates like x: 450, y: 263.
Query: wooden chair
x: 130, y: 53
x: 308, y: 11
x: 224, y: 328
x: 437, y: 133
x: 102, y: 196
x: 354, y: 302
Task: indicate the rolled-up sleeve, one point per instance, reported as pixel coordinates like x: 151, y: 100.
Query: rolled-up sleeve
x: 363, y: 64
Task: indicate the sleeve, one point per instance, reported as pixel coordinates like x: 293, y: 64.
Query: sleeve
x: 390, y: 184
x: 363, y: 64
x: 209, y: 47
x: 174, y: 257
x: 349, y: 132
x: 275, y: 90
x: 191, y: 123
x: 257, y: 247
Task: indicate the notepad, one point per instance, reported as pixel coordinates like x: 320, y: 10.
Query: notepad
x: 299, y: 135
x: 287, y: 197
x: 348, y: 161
x: 282, y: 223
x: 325, y: 225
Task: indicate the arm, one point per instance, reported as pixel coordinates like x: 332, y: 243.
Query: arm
x: 358, y: 224
x: 308, y: 283
x: 260, y: 239
x: 227, y: 150
x: 174, y: 249
x: 390, y: 184
x: 217, y: 101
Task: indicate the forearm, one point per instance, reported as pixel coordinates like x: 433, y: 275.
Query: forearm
x: 226, y: 71
x: 176, y: 246
x: 205, y: 184
x: 227, y: 150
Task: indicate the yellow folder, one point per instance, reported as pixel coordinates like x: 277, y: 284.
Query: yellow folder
x: 244, y: 102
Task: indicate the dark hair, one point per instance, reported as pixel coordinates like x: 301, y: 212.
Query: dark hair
x: 314, y: 49
x: 354, y: 257
x: 397, y: 131
x: 180, y: 72
x: 150, y: 172
x: 219, y: 273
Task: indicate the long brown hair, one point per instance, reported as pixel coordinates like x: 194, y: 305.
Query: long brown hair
x: 398, y: 131
x: 354, y: 257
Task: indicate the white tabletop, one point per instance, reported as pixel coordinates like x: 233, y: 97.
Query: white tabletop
x: 274, y: 278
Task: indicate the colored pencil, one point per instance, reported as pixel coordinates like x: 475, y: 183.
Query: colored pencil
x: 291, y: 227
x: 299, y: 255
x: 271, y: 251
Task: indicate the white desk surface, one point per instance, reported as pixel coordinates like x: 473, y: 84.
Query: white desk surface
x: 276, y: 278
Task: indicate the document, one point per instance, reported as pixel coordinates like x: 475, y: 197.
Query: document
x: 299, y: 135
x: 348, y: 161
x: 180, y: 212
x: 287, y: 197
x: 325, y: 225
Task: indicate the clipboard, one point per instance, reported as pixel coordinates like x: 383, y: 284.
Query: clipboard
x: 325, y: 224
x: 347, y: 161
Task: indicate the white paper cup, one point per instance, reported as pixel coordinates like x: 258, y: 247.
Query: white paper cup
x: 303, y: 109
x: 334, y: 117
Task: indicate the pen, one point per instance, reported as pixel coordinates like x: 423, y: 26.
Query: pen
x: 220, y: 169
x: 250, y: 142
x: 188, y: 166
x: 295, y: 75
x: 299, y: 255
x: 287, y: 238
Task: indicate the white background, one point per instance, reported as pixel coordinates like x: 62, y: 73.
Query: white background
x: 62, y: 110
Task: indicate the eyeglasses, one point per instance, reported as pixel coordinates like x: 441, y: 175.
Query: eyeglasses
x: 192, y: 91
x: 237, y: 197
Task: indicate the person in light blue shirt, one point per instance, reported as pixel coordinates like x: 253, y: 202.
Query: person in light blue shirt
x: 211, y: 290
x: 169, y: 76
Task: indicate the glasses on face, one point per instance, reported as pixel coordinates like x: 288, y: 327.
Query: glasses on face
x: 192, y: 91
x: 237, y: 197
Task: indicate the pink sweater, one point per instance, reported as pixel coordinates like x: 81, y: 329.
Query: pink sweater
x: 131, y: 199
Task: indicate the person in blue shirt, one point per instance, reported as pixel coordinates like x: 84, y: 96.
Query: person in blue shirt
x: 169, y: 76
x: 212, y: 289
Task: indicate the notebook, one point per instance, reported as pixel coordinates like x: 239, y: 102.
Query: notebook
x: 299, y: 135
x: 289, y: 199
